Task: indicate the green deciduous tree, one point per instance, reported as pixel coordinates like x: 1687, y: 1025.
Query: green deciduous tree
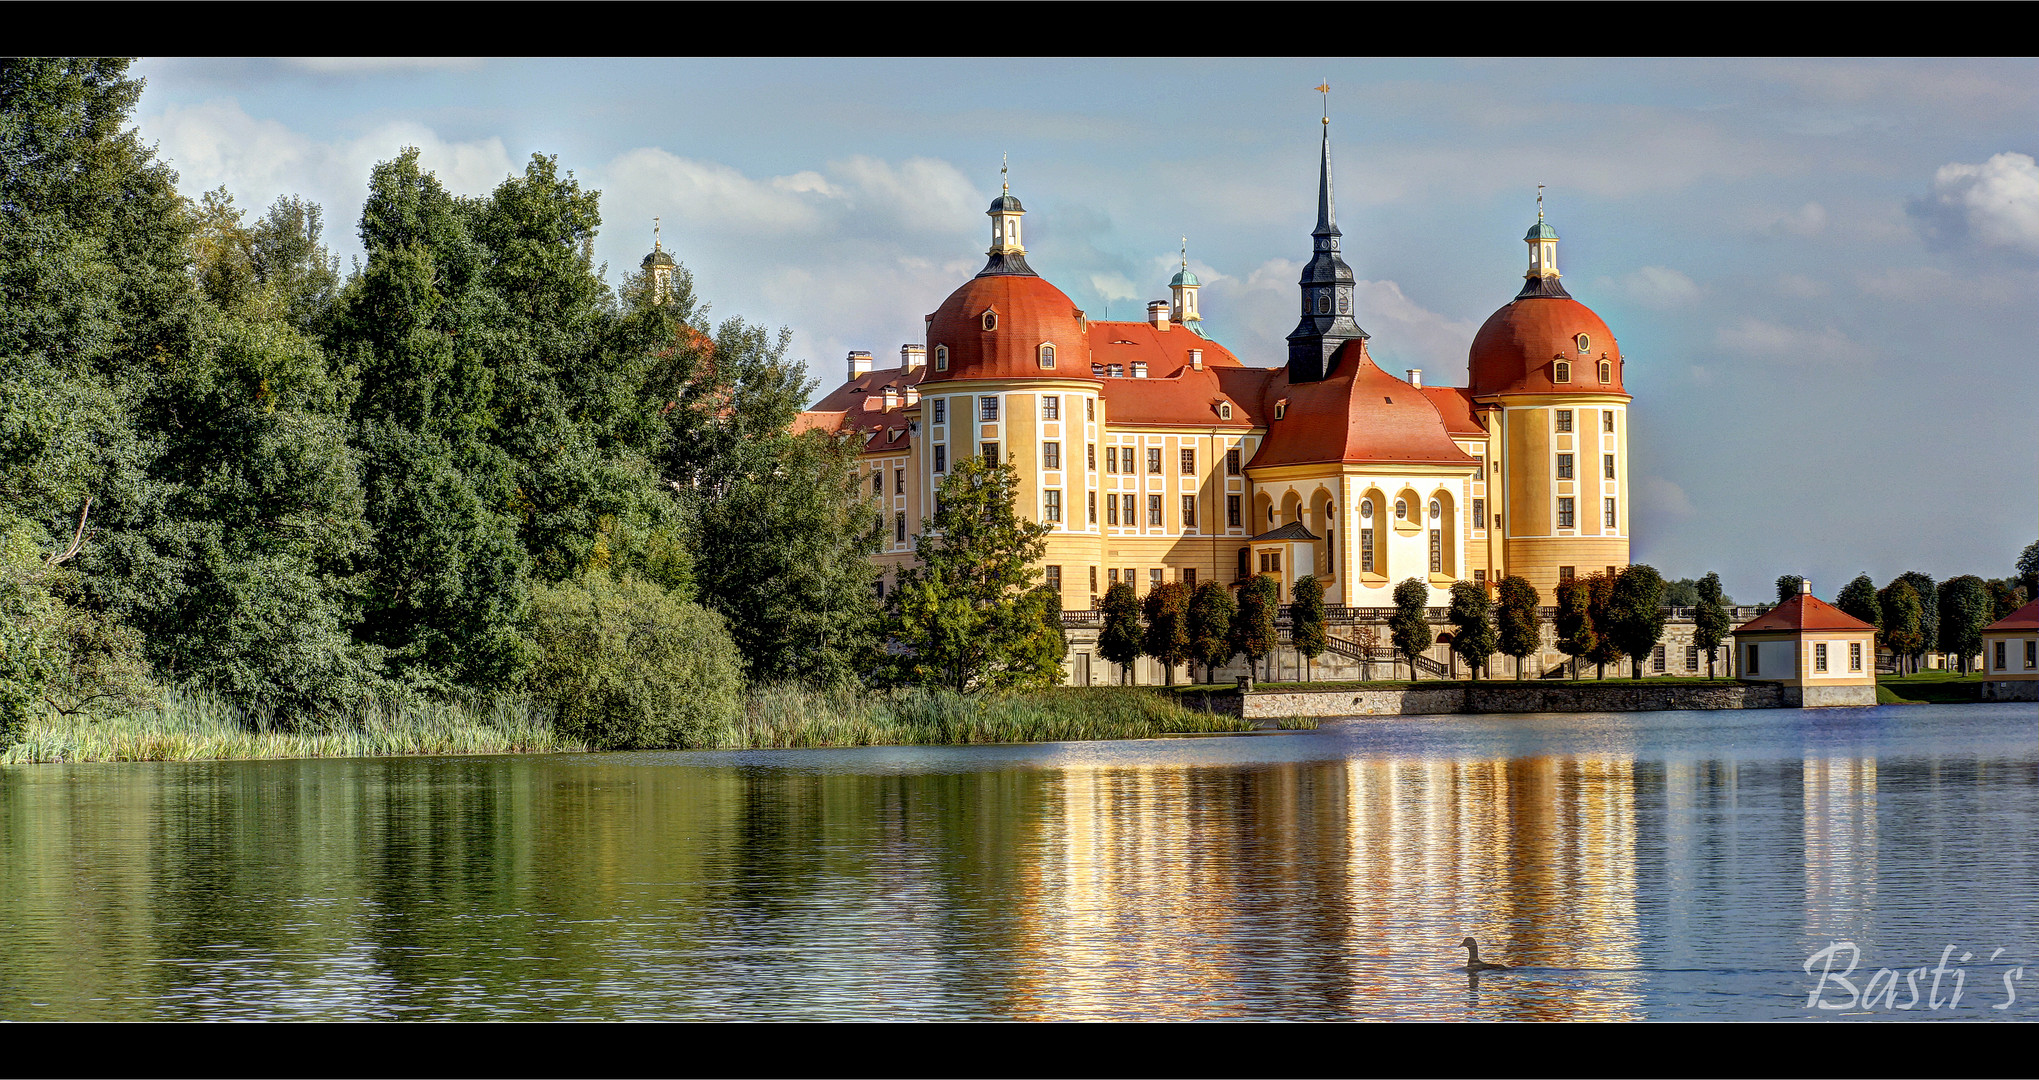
x: 1683, y: 592
x: 1606, y: 650
x: 1928, y: 592
x: 1409, y: 627
x: 1167, y: 635
x: 1210, y: 626
x: 1577, y: 635
x: 1902, y: 630
x: 1710, y: 620
x: 1964, y: 611
x: 1858, y: 598
x: 1520, y: 620
x: 1635, y: 612
x: 1306, y: 619
x: 629, y: 666
x: 1473, y: 637
x: 1787, y: 586
x: 968, y: 615
x: 2028, y: 570
x: 1120, y: 638
x: 1253, y: 625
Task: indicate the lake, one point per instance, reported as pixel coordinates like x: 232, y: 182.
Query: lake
x: 1658, y: 866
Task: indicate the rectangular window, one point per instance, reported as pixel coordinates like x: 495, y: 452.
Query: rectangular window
x: 941, y: 458
x: 1055, y: 578
x: 1564, y: 466
x: 1564, y: 419
x: 1153, y: 510
x: 1610, y: 512
x: 1090, y: 457
x: 941, y: 410
x: 1232, y: 462
x: 1188, y: 512
x: 1189, y: 577
x: 880, y: 586
x: 899, y: 527
x: 1051, y: 455
x: 1607, y: 462
x: 1479, y: 472
x: 1154, y: 578
x: 1111, y: 459
x: 987, y: 409
x: 877, y: 481
x: 1242, y: 562
x: 1153, y: 459
x: 991, y: 453
x: 1607, y: 422
x: 1093, y: 508
x: 1111, y: 510
x: 1753, y: 668
x: 1114, y: 572
x: 1479, y: 513
x: 1051, y: 504
x: 1479, y: 577
x: 2032, y: 654
x: 1692, y: 658
x: 1564, y: 513
x: 1051, y: 408
x: 1132, y: 514
x: 1093, y: 579
x: 1855, y: 655
x: 1657, y: 660
x: 1189, y: 462
x: 1232, y: 511
x: 1366, y: 551
x: 1819, y: 656
x: 1566, y: 573
x: 899, y: 481
x: 1437, y: 551
x: 2000, y: 665
x: 1090, y: 408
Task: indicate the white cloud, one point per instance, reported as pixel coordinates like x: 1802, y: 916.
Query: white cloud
x: 1657, y: 287
x: 1807, y: 220
x: 1791, y: 345
x: 1994, y: 204
x: 1659, y: 497
x: 1114, y: 286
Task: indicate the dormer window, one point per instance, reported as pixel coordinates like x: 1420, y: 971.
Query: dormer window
x: 1606, y: 372
x: 1585, y: 343
x: 1224, y: 410
x: 1561, y: 372
x: 1047, y: 355
x: 941, y: 358
x: 1281, y: 408
x: 990, y: 319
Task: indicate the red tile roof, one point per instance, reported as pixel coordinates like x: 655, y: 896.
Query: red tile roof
x: 1359, y: 414
x: 1803, y: 612
x: 1455, y: 404
x: 1516, y: 348
x: 2025, y: 618
x: 1030, y: 313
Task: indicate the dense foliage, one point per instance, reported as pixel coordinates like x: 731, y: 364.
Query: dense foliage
x: 1253, y: 634
x: 1167, y: 635
x: 628, y: 665
x: 1473, y: 637
x: 1210, y: 626
x: 1119, y: 640
x: 1710, y: 619
x: 1635, y: 613
x: 1306, y: 618
x: 1409, y: 626
x: 1518, y: 620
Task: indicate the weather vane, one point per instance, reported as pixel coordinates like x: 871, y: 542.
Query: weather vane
x: 654, y: 232
x: 1004, y: 181
x: 1324, y: 88
x: 1539, y: 202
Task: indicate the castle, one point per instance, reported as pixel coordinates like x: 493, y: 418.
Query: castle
x: 1156, y: 455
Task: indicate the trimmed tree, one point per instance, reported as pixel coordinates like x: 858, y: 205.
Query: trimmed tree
x: 1600, y: 600
x: 1253, y: 630
x: 1901, y: 631
x: 1928, y: 592
x: 1577, y: 636
x: 1710, y: 618
x: 1306, y: 620
x: 1119, y: 641
x: 1520, y: 620
x: 1210, y: 626
x: 1858, y: 598
x: 1635, y: 612
x: 1167, y: 636
x: 1409, y: 627
x: 1964, y: 611
x: 1473, y: 637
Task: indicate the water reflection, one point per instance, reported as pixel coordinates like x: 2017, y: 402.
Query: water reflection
x: 1667, y: 865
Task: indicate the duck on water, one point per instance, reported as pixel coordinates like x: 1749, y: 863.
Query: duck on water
x: 1473, y: 961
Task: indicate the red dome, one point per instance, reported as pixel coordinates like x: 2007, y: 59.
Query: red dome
x: 1518, y: 347
x: 1028, y: 313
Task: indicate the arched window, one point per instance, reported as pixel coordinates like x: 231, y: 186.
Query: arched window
x: 1047, y: 355
x: 1224, y: 410
x: 1436, y: 510
x: 1323, y: 301
x: 1401, y: 510
x: 1366, y: 509
x: 941, y: 358
x: 1606, y: 372
x: 1562, y: 372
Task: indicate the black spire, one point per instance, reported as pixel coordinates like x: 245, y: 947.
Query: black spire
x: 1327, y: 290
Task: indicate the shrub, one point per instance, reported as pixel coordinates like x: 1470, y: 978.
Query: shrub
x: 629, y: 666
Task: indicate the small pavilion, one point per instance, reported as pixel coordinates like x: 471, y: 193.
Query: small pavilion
x: 1821, y: 655
x: 2010, y: 656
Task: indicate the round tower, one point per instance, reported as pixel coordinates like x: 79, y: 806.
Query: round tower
x: 1546, y: 372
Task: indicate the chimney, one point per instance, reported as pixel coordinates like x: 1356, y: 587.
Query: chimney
x: 1157, y: 314
x: 1196, y: 359
x: 860, y: 363
x: 912, y: 356
x: 913, y: 395
x: 1416, y: 377
x: 891, y: 396
x: 1805, y: 586
x: 1139, y: 369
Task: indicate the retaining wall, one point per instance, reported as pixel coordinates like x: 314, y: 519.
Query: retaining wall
x: 1528, y: 698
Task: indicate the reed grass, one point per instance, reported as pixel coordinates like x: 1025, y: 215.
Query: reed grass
x: 194, y: 725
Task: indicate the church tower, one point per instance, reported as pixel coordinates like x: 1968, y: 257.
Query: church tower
x: 1182, y: 290
x: 1326, y: 287
x: 658, y: 266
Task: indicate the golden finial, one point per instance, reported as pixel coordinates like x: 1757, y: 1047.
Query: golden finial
x: 654, y: 233
x: 1324, y: 88
x: 1539, y: 203
x: 1185, y: 253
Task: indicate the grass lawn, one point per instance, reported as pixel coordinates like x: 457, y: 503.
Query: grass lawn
x: 1929, y: 687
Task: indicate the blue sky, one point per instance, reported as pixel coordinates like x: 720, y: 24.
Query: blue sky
x: 1824, y: 275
